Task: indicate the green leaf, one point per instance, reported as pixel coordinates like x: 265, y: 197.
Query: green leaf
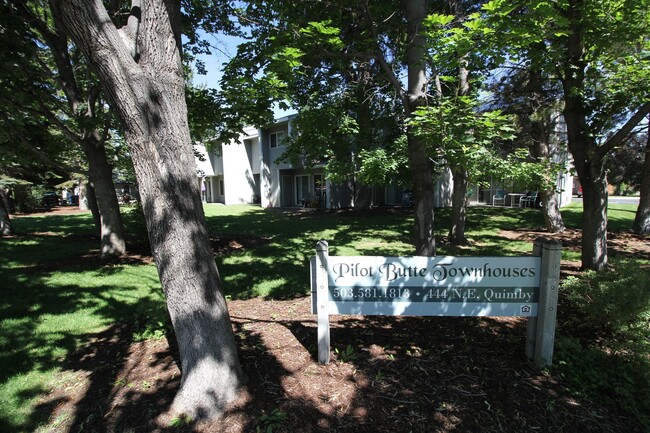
x: 438, y: 20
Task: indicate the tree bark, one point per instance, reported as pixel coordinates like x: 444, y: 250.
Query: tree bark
x: 141, y: 71
x: 459, y: 207
x: 91, y: 202
x: 642, y: 219
x: 419, y: 162
x: 111, y: 228
x: 594, y: 188
x: 6, y: 229
x: 460, y: 175
x: 540, y: 150
x: 582, y: 146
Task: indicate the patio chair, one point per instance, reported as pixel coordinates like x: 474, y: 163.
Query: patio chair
x: 499, y: 198
x: 528, y: 200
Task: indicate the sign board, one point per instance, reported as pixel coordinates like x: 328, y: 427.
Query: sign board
x: 433, y: 286
x: 441, y: 286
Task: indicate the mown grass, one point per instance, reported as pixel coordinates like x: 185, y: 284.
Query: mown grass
x: 56, y: 296
x: 280, y: 267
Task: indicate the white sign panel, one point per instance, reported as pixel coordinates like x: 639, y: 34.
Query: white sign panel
x: 433, y: 286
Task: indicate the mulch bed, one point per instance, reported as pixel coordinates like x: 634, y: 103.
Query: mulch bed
x: 398, y: 375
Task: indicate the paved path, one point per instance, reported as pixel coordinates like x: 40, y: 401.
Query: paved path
x: 614, y: 199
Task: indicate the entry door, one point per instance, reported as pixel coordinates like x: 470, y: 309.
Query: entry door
x: 287, y: 191
x: 302, y: 188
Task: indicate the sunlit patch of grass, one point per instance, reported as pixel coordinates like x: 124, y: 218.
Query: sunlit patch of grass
x: 19, y: 393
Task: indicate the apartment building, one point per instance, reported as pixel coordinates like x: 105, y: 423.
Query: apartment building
x: 250, y: 170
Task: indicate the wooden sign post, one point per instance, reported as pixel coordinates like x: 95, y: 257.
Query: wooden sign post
x: 441, y: 286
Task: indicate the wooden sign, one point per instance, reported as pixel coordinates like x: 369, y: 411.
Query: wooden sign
x: 441, y: 286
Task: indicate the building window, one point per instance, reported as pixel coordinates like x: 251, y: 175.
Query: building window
x: 222, y: 190
x: 302, y: 189
x: 276, y: 138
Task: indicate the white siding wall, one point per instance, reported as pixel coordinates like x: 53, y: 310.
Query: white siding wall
x: 238, y: 162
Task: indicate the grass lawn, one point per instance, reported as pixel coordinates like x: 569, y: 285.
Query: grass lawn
x: 55, y: 295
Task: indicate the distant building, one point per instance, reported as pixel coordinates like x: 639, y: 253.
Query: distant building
x: 250, y: 170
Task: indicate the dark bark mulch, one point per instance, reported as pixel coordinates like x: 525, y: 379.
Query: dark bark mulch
x: 386, y: 375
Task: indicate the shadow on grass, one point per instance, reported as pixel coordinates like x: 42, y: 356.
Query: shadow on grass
x: 47, y: 313
x: 439, y: 351
x: 280, y: 268
x: 41, y: 335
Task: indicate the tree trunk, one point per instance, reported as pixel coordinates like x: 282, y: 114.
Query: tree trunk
x: 642, y: 219
x: 540, y: 124
x: 551, y: 211
x: 91, y: 201
x: 422, y: 180
x: 588, y: 163
x: 594, y: 189
x: 144, y: 80
x: 460, y: 174
x: 83, y: 196
x: 540, y: 134
x: 594, y: 223
x: 419, y: 163
x: 111, y: 229
x: 103, y: 204
x: 459, y: 207
x: 6, y: 229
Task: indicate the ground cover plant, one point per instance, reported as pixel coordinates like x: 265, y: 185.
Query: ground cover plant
x: 85, y: 345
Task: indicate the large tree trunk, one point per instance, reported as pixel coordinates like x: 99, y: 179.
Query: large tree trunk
x: 642, y: 219
x: 419, y: 162
x: 594, y: 189
x: 594, y: 220
x: 587, y: 160
x: 141, y: 72
x: 593, y: 180
x: 459, y: 207
x: 422, y: 180
x: 111, y: 229
x: 6, y: 229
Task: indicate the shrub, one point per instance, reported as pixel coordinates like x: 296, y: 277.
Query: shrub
x: 616, y: 299
x: 612, y: 361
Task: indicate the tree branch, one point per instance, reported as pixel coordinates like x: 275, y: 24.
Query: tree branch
x: 45, y: 112
x: 624, y: 130
x: 36, y: 152
x: 129, y: 32
x: 57, y: 42
x: 379, y: 55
